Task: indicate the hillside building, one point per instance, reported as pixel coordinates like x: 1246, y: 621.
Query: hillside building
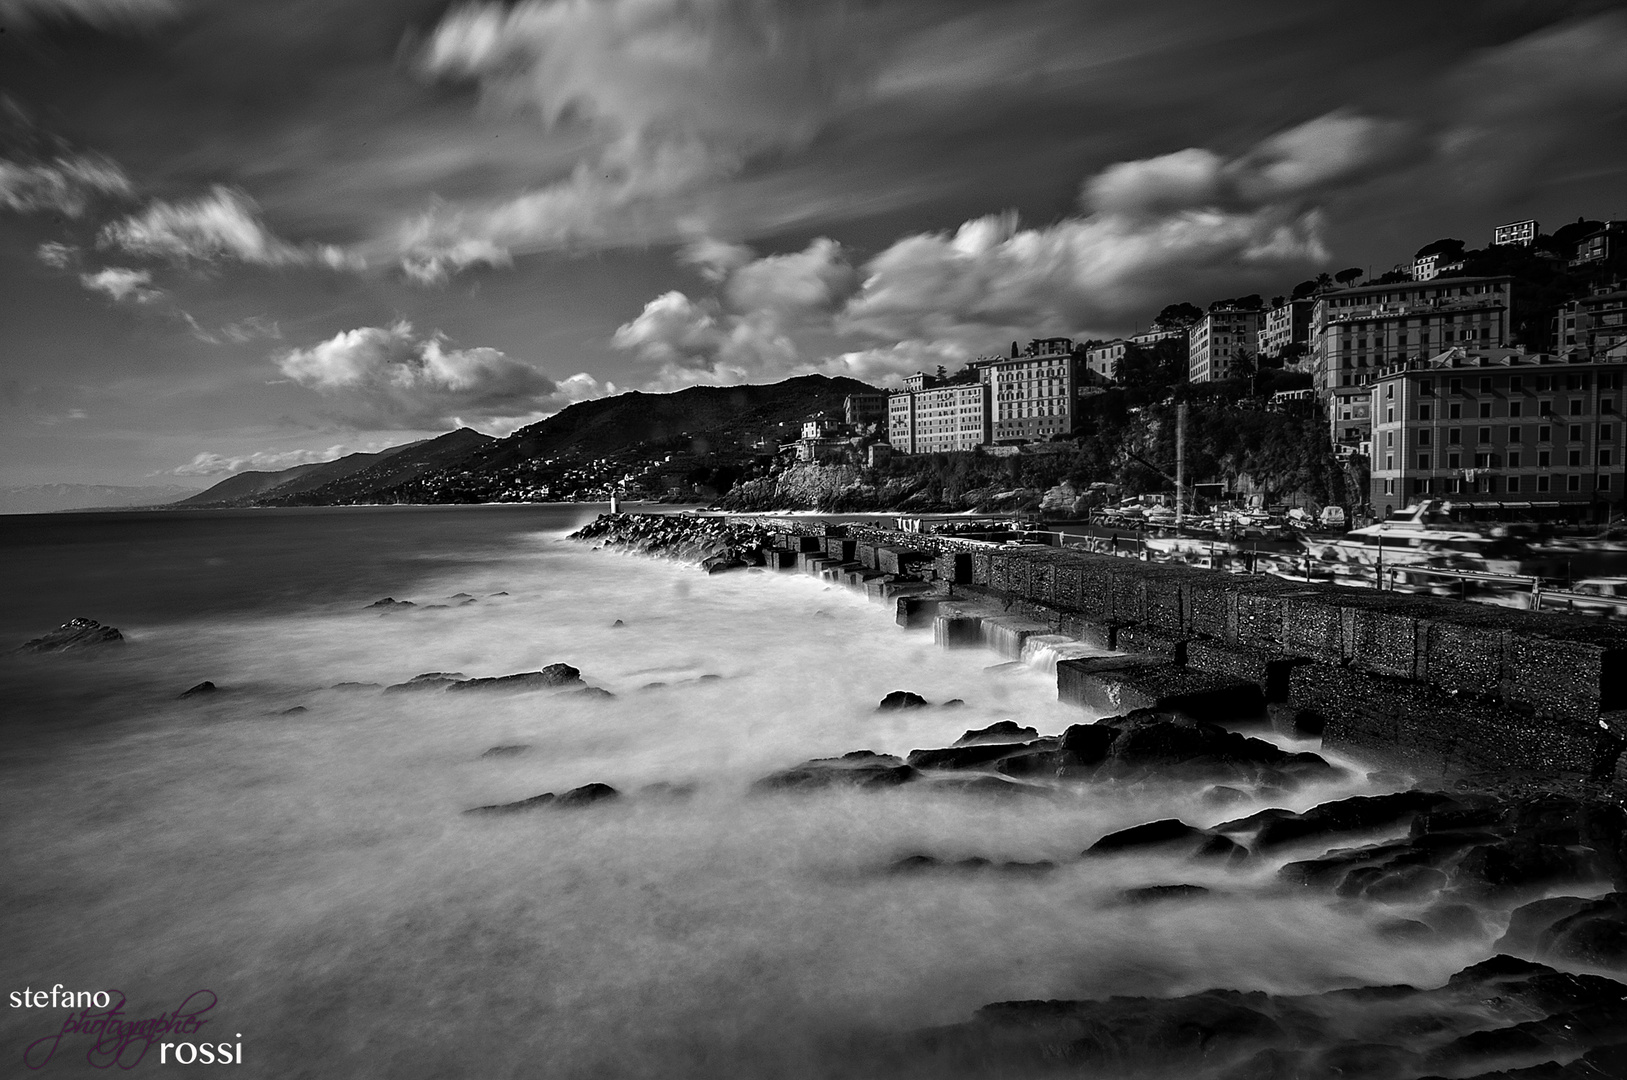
x: 1104, y: 359
x: 1515, y: 232
x: 1593, y: 327
x: 1153, y: 337
x: 1605, y: 248
x: 929, y: 417
x: 1498, y: 427
x: 1430, y: 267
x: 1356, y: 332
x: 1285, y: 325
x: 1214, y: 342
x: 1033, y: 396
x: 862, y: 410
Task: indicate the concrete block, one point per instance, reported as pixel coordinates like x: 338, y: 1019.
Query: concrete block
x: 900, y: 560
x: 954, y: 567
x: 781, y: 559
x: 1143, y: 638
x: 1466, y: 654
x: 1212, y: 608
x: 1129, y: 603
x: 1005, y: 634
x: 1065, y: 584
x: 1312, y: 626
x: 841, y: 549
x: 982, y: 568
x: 917, y: 611
x: 1163, y: 598
x: 1264, y: 667
x: 1381, y: 636
x: 1092, y: 632
x: 806, y: 543
x: 866, y: 554
x: 1575, y: 674
x: 957, y: 630
x: 1117, y: 685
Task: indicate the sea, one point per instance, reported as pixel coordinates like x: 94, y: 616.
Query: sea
x: 287, y: 860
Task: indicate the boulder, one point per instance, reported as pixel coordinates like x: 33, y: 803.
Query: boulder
x: 1595, y: 934
x: 550, y: 677
x: 964, y: 757
x: 1005, y: 731
x: 533, y: 803
x: 860, y: 769
x: 389, y: 603
x: 74, y: 634
x: 205, y: 687
x: 587, y: 794
x: 901, y: 699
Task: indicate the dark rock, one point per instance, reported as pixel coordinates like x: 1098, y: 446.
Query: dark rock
x: 987, y: 784
x: 74, y: 634
x: 1151, y: 744
x: 653, y: 686
x: 1167, y: 832
x: 595, y: 692
x: 1361, y: 813
x: 507, y: 750
x: 1150, y: 893
x: 429, y: 680
x: 460, y: 596
x: 719, y: 564
x: 914, y: 864
x: 1006, y: 731
x: 391, y: 604
x: 901, y: 699
x: 533, y: 803
x: 587, y: 794
x: 1595, y: 934
x: 963, y: 757
x: 956, y: 703
x: 1529, y: 922
x: 295, y: 711
x: 205, y: 687
x: 861, y: 769
x: 554, y: 675
x: 617, y: 624
x: 354, y: 686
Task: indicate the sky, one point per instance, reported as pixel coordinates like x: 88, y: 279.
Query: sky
x: 240, y: 234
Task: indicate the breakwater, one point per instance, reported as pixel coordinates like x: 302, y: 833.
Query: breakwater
x: 1429, y: 685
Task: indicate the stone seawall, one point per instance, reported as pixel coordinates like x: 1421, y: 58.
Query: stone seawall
x: 1432, y: 685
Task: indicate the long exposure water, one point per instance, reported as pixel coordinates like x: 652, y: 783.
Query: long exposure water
x: 314, y: 870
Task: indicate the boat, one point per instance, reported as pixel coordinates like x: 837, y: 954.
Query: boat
x: 1424, y: 534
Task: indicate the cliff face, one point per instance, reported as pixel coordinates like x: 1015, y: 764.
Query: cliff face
x: 805, y: 486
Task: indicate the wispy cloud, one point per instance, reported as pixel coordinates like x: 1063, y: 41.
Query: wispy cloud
x: 394, y: 377
x: 66, y: 184
x: 123, y: 283
x: 224, y: 224
x: 100, y: 13
x: 212, y: 464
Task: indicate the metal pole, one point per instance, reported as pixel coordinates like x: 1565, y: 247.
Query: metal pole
x: 1180, y: 463
x: 1380, y: 578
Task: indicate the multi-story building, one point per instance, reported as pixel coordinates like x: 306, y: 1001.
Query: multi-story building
x: 1104, y: 359
x: 862, y: 410
x: 1288, y: 324
x: 1430, y: 267
x: 1516, y: 232
x: 928, y: 417
x: 1592, y: 326
x: 1498, y: 426
x: 1034, y: 395
x: 1214, y: 342
x: 1356, y: 332
x: 1607, y: 247
x: 1153, y: 337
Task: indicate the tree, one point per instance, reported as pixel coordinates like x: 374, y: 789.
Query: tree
x: 1346, y: 276
x: 1278, y: 301
x: 1303, y: 289
x: 1448, y: 248
x: 1323, y: 281
x: 1251, y: 302
x: 1177, y: 316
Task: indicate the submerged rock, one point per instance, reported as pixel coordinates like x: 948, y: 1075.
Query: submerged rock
x: 1004, y: 731
x: 507, y: 750
x: 295, y: 711
x: 74, y: 634
x: 901, y: 699
x: 915, y: 864
x: 429, y: 680
x: 1148, y: 894
x: 861, y: 769
x: 390, y: 603
x: 587, y: 794
x: 205, y: 687
x: 554, y: 675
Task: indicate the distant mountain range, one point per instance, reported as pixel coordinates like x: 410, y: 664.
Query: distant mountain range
x: 49, y: 498
x: 700, y: 423
x: 351, y: 478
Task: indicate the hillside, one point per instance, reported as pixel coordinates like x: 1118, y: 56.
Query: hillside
x: 246, y: 488
x: 396, y: 467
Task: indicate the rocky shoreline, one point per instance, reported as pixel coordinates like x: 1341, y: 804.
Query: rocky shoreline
x: 1535, y: 865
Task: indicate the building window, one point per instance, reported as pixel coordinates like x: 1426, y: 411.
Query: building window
x: 1604, y: 457
x: 1485, y: 384
x: 1389, y: 438
x: 1575, y: 459
x: 1544, y: 433
x: 1426, y: 387
x: 1576, y: 433
x: 1485, y: 434
x: 1389, y: 462
x: 1423, y: 412
x: 1604, y: 483
x: 1389, y: 415
x: 1419, y: 485
x: 1604, y: 432
x: 1576, y: 406
x: 1456, y: 384
x: 1514, y: 459
x: 1607, y: 405
x: 1423, y: 437
x: 1544, y: 459
x: 1423, y: 462
x: 1454, y: 411
x: 1513, y: 484
x: 1454, y: 435
x: 1514, y: 433
x: 1454, y: 461
x: 1485, y: 410
x: 1542, y: 484
x: 1514, y: 384
x: 1514, y: 408
x: 1573, y: 483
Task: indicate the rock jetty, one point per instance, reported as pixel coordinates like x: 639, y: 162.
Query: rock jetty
x: 73, y: 635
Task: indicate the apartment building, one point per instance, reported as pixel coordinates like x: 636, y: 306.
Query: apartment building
x: 1104, y: 359
x: 1516, y: 232
x: 929, y: 417
x: 1153, y: 337
x: 1215, y: 341
x: 1593, y: 327
x: 861, y: 410
x: 1607, y: 247
x: 1356, y: 332
x: 1034, y: 395
x: 1498, y: 427
x: 1430, y: 267
x: 1285, y: 325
